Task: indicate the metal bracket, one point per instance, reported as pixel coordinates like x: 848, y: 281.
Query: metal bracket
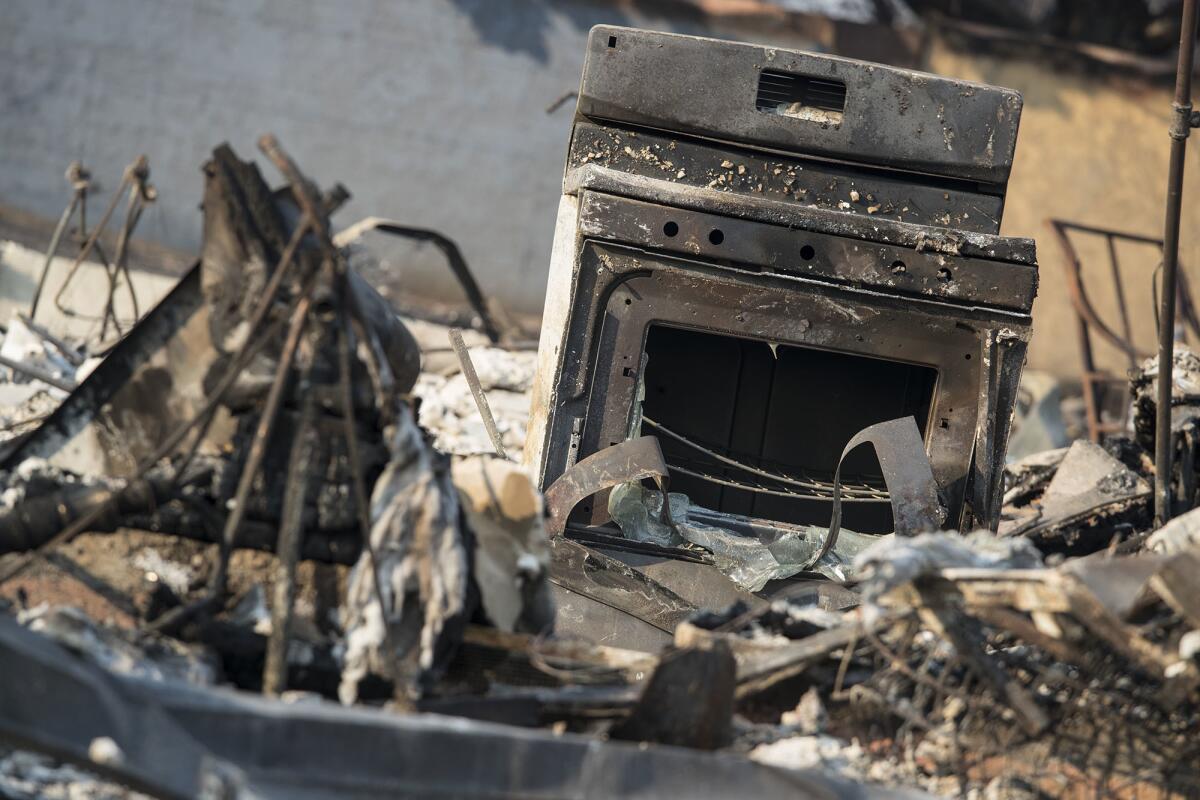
x: 631, y: 460
x: 907, y: 473
x: 1185, y: 119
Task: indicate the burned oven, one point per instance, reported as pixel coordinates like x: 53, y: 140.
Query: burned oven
x: 761, y: 252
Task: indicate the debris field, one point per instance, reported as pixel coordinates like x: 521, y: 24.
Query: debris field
x: 743, y: 521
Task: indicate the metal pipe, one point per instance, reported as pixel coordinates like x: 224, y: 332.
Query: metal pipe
x: 1181, y: 127
x: 454, y: 258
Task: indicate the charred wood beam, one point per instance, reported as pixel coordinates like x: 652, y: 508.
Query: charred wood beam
x: 688, y: 701
x: 301, y: 465
x: 34, y: 522
x: 152, y: 505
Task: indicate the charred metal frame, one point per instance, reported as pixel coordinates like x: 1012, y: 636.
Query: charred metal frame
x: 1089, y: 320
x: 686, y: 204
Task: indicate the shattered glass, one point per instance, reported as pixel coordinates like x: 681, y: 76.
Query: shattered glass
x: 751, y: 552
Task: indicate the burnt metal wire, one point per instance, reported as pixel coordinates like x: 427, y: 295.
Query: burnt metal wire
x: 1112, y: 729
x: 571, y: 671
x: 811, y: 488
x: 774, y: 492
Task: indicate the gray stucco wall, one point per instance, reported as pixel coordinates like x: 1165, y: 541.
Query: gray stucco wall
x: 429, y: 111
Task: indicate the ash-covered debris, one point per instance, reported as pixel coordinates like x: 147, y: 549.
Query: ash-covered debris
x: 1091, y: 494
x: 115, y: 649
x: 968, y: 664
x: 1185, y: 394
x: 33, y: 776
x: 1184, y: 422
x: 276, y: 538
x: 279, y: 380
x: 37, y: 371
x: 241, y: 495
x: 448, y: 408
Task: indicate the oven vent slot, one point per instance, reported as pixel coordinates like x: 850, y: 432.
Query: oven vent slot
x: 801, y: 96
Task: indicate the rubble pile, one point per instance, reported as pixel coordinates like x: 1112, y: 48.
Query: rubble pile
x: 275, y: 541
x: 964, y: 667
x: 1057, y: 655
x: 38, y: 371
x: 447, y: 407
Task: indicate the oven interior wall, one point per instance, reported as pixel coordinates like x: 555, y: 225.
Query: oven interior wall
x: 785, y: 409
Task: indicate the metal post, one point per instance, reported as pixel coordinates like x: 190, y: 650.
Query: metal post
x: 1181, y: 127
x: 78, y: 177
x: 68, y: 212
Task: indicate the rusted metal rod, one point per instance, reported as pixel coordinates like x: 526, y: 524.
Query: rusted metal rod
x: 139, y: 167
x: 1181, y: 127
x: 114, y: 270
x: 78, y: 177
x: 481, y: 403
